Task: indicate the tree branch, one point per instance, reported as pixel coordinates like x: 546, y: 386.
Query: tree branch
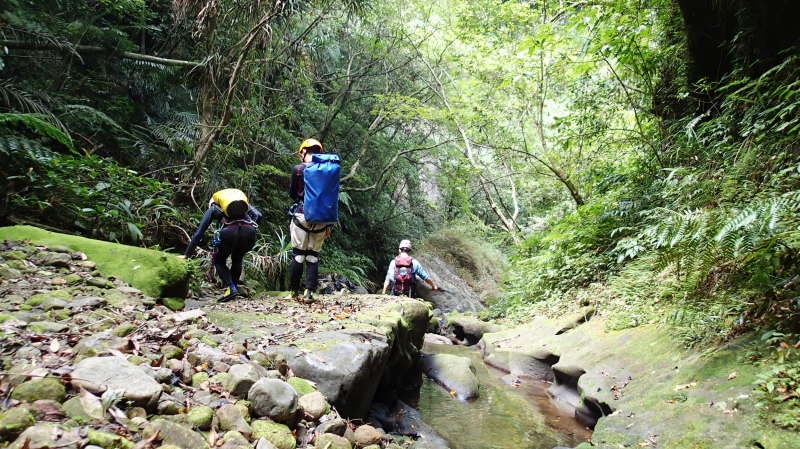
x: 89, y: 50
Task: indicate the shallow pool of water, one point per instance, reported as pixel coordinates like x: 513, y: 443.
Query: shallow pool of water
x: 503, y: 417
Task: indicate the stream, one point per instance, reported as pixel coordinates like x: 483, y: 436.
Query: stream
x: 503, y: 417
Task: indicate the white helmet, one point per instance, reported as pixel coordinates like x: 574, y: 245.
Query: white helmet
x: 405, y: 244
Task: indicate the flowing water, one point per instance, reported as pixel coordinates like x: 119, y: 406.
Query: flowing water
x: 503, y: 417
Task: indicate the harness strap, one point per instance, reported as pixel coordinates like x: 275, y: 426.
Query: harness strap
x: 313, y: 231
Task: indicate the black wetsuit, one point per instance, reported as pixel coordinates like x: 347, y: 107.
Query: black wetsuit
x: 236, y: 238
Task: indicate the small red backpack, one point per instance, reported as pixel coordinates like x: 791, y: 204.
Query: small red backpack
x: 403, y: 275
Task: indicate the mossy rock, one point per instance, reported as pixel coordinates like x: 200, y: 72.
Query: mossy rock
x: 199, y: 378
x: 14, y: 255
x: 277, y: 434
x: 72, y: 279
x: 124, y: 329
x: 173, y: 304
x: 75, y: 411
x: 39, y: 299
x: 171, y: 352
x: 155, y: 273
x: 201, y: 417
x: 332, y: 441
x: 108, y: 440
x: 301, y: 386
x: 35, y: 389
x: 58, y: 314
x: 14, y: 421
x: 175, y: 434
x: 5, y: 317
x: 16, y: 264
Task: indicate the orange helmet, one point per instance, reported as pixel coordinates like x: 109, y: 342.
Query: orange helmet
x: 308, y: 143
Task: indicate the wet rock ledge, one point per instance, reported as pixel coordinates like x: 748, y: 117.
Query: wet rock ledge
x: 90, y: 361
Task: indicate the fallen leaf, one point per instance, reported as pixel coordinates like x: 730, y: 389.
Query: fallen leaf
x: 732, y: 376
x: 212, y: 437
x: 629, y: 425
x: 683, y: 387
x: 615, y: 413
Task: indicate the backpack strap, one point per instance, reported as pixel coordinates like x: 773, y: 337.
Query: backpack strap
x: 313, y: 231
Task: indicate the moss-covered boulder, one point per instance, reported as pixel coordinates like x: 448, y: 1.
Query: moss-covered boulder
x: 173, y: 304
x: 14, y: 421
x: 199, y: 378
x: 331, y: 441
x: 108, y: 440
x: 277, y: 434
x: 75, y: 411
x: 155, y: 273
x: 36, y: 389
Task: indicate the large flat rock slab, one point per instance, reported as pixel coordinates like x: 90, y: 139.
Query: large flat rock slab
x: 97, y: 374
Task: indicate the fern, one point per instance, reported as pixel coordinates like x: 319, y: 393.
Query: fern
x: 38, y: 124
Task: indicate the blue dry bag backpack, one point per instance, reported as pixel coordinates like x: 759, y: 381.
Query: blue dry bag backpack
x: 321, y: 198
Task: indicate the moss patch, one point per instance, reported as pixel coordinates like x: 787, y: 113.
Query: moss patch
x: 301, y: 386
x: 35, y: 389
x: 155, y: 273
x: 277, y: 434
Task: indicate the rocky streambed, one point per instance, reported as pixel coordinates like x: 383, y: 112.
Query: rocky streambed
x: 90, y: 361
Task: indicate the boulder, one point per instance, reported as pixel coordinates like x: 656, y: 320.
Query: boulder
x: 174, y: 434
x: 532, y: 363
x: 241, y: 378
x: 46, y: 327
x: 97, y: 374
x: 456, y: 373
x: 273, y: 399
x: 466, y: 329
x: 45, y: 436
x: 57, y: 259
x: 235, y: 440
x: 100, y: 343
x: 14, y: 421
x: 336, y: 426
x: 47, y: 388
x: 346, y: 366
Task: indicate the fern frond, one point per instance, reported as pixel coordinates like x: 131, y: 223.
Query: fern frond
x: 37, y: 124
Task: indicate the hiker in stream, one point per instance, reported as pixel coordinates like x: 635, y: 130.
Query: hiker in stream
x: 235, y: 236
x: 314, y: 188
x: 403, y: 271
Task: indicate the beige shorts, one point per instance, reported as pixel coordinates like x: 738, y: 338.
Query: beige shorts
x: 303, y: 240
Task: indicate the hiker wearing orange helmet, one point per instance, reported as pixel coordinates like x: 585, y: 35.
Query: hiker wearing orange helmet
x: 307, y: 238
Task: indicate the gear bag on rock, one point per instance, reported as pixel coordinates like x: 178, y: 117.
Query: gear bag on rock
x: 321, y: 195
x: 404, y: 278
x: 233, y: 203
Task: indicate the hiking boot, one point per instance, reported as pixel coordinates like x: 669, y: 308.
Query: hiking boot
x: 308, y: 298
x: 296, y: 294
x: 230, y: 293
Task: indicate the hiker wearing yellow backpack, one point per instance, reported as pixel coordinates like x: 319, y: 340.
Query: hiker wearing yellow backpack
x: 403, y: 271
x: 314, y: 188
x: 235, y: 237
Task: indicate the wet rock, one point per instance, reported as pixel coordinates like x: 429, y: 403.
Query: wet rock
x: 241, y: 378
x: 404, y: 420
x: 314, y: 404
x: 467, y: 329
x: 230, y: 418
x: 57, y: 259
x: 273, y: 399
x: 454, y: 372
x: 531, y: 363
x: 39, y: 389
x: 14, y: 421
x: 201, y: 417
x: 427, y: 445
x: 331, y: 441
x: 366, y: 435
x: 277, y: 434
x: 97, y: 374
x: 174, y: 434
x: 437, y: 339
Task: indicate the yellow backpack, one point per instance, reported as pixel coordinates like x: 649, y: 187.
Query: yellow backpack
x: 233, y: 202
